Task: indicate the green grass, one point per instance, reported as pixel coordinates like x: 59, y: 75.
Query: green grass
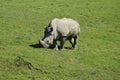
x: 97, y: 57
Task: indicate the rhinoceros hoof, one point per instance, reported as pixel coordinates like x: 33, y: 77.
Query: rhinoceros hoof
x: 56, y: 49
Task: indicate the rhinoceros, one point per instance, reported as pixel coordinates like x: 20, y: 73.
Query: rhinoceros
x: 60, y: 30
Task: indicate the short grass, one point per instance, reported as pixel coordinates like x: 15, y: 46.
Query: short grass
x: 98, y: 54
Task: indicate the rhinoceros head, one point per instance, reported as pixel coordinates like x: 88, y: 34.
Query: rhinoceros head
x: 47, y: 40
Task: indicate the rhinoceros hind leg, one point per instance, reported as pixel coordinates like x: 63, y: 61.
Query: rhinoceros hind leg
x: 75, y: 42
x: 71, y: 40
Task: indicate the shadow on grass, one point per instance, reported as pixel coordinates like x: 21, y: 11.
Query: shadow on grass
x: 51, y: 47
x: 36, y: 45
x: 40, y: 46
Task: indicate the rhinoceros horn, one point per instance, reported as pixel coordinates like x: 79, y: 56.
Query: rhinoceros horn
x: 43, y: 44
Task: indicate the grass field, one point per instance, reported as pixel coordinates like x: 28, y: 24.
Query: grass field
x: 97, y: 57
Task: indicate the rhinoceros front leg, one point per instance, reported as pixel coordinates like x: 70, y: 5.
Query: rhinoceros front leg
x: 62, y: 42
x: 55, y: 45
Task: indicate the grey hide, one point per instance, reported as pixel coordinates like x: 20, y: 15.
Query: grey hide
x: 61, y: 30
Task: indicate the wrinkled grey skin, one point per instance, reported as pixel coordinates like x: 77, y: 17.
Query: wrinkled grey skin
x: 61, y: 30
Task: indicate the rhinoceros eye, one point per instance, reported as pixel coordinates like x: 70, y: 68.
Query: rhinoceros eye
x: 47, y: 42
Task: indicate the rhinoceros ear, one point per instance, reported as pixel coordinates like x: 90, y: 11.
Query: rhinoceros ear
x: 50, y: 29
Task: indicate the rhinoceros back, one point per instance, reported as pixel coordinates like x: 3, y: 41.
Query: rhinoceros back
x: 65, y: 27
